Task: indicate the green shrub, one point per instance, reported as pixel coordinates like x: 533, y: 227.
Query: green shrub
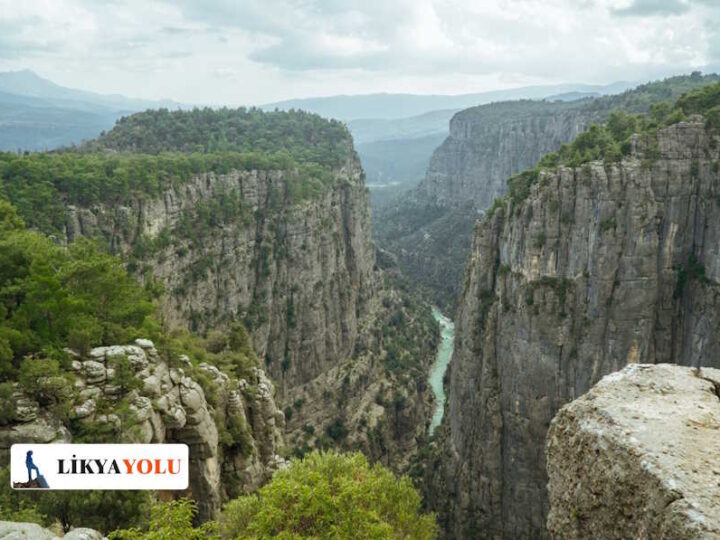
x: 168, y: 521
x: 330, y: 495
x: 607, y: 224
x: 336, y: 430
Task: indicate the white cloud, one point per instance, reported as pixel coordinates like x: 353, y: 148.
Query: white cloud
x: 250, y: 51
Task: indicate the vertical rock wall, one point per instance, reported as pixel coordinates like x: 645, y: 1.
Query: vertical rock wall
x: 601, y: 266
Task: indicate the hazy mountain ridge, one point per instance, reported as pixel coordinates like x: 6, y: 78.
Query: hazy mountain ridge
x: 37, y: 114
x: 399, y: 106
x: 29, y: 84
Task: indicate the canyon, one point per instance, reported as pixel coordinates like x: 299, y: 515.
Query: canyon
x: 581, y: 270
x: 284, y: 329
x: 429, y: 228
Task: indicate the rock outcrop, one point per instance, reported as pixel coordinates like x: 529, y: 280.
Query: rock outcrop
x: 636, y: 457
x: 10, y: 530
x: 164, y: 402
x: 599, y: 266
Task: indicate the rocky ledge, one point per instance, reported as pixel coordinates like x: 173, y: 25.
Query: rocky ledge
x: 232, y: 427
x: 637, y: 457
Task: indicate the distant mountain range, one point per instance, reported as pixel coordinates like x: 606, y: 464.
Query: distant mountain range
x: 28, y: 84
x: 37, y: 114
x: 395, y: 106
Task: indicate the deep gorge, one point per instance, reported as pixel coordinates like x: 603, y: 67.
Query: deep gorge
x: 211, y: 277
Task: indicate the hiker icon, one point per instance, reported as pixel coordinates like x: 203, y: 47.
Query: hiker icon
x: 38, y: 482
x: 31, y: 466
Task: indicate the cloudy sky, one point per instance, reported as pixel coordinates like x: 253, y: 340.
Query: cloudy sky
x: 257, y: 51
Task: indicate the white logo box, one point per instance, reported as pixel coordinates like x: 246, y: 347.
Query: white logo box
x: 100, y: 466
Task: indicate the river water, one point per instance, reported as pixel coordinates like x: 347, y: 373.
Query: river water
x: 447, y: 332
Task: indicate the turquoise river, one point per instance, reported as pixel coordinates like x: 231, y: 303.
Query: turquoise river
x: 447, y: 333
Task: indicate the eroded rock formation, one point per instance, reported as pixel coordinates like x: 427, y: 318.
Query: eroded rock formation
x: 636, y: 457
x: 428, y: 228
x: 299, y: 274
x: 163, y: 402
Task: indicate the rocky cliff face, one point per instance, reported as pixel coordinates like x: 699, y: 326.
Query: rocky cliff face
x: 133, y: 393
x: 636, y: 457
x: 467, y: 173
x: 377, y: 401
x: 301, y: 275
x: 426, y: 227
x: 600, y: 266
x: 234, y: 245
x: 490, y: 143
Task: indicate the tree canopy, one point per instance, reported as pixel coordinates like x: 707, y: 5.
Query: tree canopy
x: 52, y: 297
x: 305, y: 137
x: 330, y: 495
x: 147, y: 153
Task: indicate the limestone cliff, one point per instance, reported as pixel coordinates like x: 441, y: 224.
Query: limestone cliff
x: 590, y: 269
x: 132, y: 394
x: 488, y: 144
x: 302, y: 277
x: 467, y: 172
x: 299, y: 274
x: 636, y: 457
x: 427, y: 227
x: 283, y: 249
x: 262, y: 219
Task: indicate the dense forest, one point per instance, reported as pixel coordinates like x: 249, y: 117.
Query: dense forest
x: 148, y: 152
x: 304, y: 136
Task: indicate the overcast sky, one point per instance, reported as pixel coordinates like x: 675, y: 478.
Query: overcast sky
x: 257, y: 51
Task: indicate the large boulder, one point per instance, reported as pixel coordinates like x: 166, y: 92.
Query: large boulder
x: 10, y: 530
x: 638, y: 457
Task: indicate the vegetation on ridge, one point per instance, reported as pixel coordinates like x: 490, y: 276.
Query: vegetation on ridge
x: 324, y: 495
x: 150, y: 152
x: 304, y: 137
x: 330, y: 495
x: 611, y: 142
